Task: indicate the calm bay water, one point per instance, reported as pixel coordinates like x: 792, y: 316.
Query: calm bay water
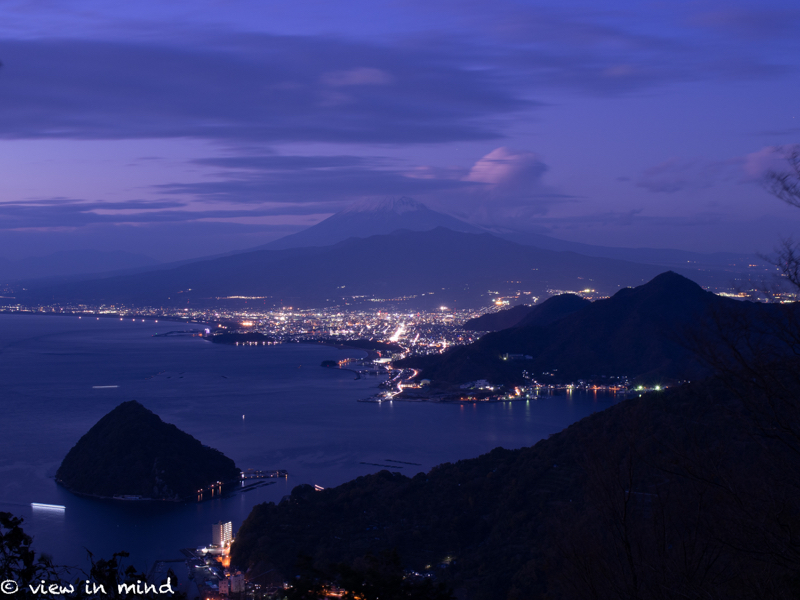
x: 297, y: 416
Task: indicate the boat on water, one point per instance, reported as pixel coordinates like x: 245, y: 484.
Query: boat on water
x: 40, y: 506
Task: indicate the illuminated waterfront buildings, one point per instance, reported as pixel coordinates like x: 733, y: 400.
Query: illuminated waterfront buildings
x: 222, y: 534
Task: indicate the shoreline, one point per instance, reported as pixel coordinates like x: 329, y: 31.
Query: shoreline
x: 133, y: 316
x: 356, y: 373
x: 131, y: 498
x: 117, y: 498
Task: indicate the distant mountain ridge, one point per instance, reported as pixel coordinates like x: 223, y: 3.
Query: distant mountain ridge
x: 394, y: 248
x: 375, y: 217
x: 427, y: 268
x: 669, y: 257
x: 361, y: 220
x: 72, y: 262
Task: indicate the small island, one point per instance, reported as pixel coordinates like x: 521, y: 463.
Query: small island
x: 131, y: 454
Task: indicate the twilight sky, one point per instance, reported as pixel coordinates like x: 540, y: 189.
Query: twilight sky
x: 184, y: 128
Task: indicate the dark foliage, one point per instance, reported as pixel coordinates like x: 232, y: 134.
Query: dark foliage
x: 22, y: 568
x: 18, y: 561
x: 370, y: 577
x: 131, y: 451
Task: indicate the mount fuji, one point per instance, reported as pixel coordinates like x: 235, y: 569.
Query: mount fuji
x: 380, y: 217
x: 368, y: 218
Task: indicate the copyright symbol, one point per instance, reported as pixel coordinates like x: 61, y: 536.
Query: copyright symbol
x: 9, y: 586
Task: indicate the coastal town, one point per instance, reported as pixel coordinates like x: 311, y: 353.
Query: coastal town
x: 386, y: 335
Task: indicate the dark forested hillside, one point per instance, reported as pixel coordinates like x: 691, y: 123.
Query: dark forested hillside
x: 662, y: 496
x: 499, y: 320
x: 545, y: 313
x: 131, y: 451
x: 638, y: 332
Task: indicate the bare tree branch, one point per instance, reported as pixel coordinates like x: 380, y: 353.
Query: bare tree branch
x: 786, y: 185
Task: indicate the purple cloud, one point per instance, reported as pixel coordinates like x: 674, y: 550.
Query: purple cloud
x: 675, y: 175
x: 263, y: 88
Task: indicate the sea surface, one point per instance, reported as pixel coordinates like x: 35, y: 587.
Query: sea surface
x: 267, y: 407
